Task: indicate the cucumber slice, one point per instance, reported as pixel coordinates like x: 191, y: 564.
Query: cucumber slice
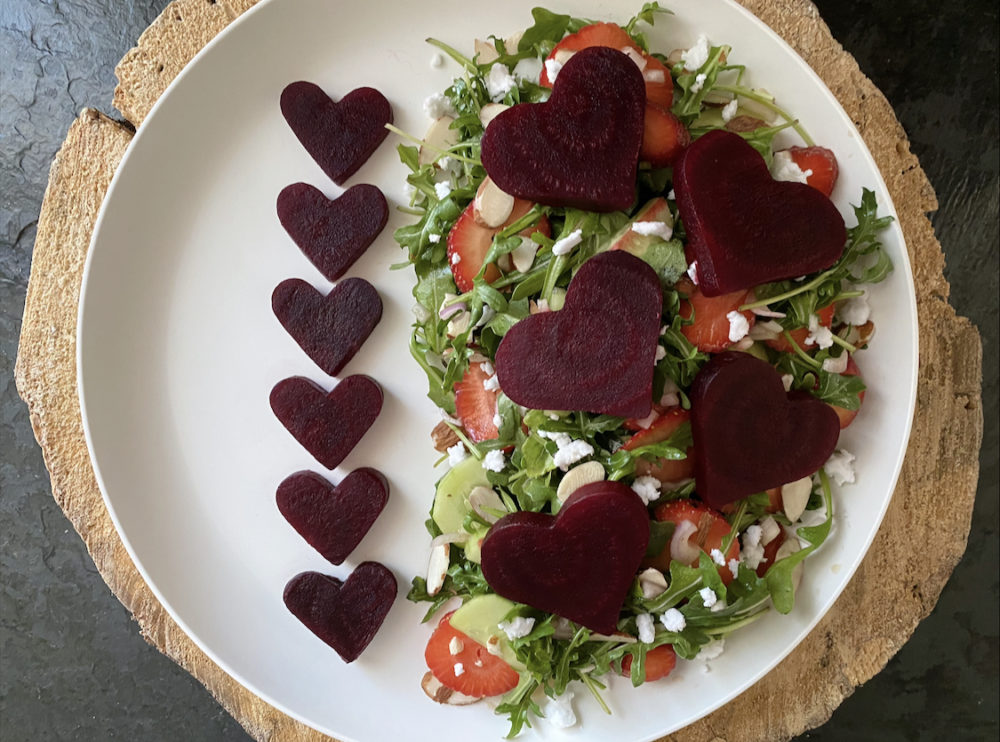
x: 451, y: 501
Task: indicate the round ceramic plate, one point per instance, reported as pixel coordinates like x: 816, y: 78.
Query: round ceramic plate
x: 178, y: 351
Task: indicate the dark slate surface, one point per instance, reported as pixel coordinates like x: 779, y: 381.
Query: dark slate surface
x: 72, y: 663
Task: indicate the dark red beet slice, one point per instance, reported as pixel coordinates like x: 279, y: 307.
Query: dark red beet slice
x: 581, y: 148
x: 579, y: 563
x: 345, y: 615
x: 750, y: 434
x: 330, y: 328
x: 339, y: 136
x: 597, y: 353
x: 332, y: 234
x: 333, y: 519
x: 745, y: 229
x: 327, y: 425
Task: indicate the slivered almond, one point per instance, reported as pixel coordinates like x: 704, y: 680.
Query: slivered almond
x: 439, y: 137
x: 652, y: 583
x: 578, y: 476
x: 523, y: 257
x: 795, y: 497
x: 486, y: 50
x: 485, y: 499
x: 562, y: 56
x: 437, y: 568
x: 490, y: 111
x: 444, y: 437
x: 436, y: 691
x: 492, y: 207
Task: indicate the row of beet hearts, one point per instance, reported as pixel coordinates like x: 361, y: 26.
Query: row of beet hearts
x: 333, y: 234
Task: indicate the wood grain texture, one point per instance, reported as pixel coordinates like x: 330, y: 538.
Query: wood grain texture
x: 920, y: 541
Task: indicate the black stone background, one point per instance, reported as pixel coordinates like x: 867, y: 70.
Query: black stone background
x: 72, y: 663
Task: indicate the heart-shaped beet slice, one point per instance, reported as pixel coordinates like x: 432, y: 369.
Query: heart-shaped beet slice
x: 578, y: 564
x: 330, y: 425
x: 581, y: 147
x: 744, y: 228
x: 333, y: 520
x: 339, y: 136
x: 750, y: 434
x: 597, y: 353
x: 331, y: 328
x: 346, y: 615
x: 332, y: 234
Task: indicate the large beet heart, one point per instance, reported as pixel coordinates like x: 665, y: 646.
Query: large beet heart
x: 346, y: 615
x: 333, y: 519
x: 327, y: 425
x: 578, y: 564
x: 581, y: 148
x: 597, y: 353
x: 332, y: 234
x: 339, y: 136
x: 750, y: 434
x: 745, y: 229
x: 330, y: 328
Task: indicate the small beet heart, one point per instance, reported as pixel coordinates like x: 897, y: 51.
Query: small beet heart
x: 745, y: 229
x: 332, y: 234
x: 579, y: 149
x: 333, y: 520
x: 339, y: 136
x: 330, y: 328
x: 750, y: 434
x: 597, y: 353
x: 578, y: 564
x: 327, y: 425
x: 345, y: 615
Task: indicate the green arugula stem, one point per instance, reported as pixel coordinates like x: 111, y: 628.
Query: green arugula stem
x: 801, y: 353
x: 455, y: 54
x: 844, y: 344
x: 440, y: 152
x: 767, y: 103
x: 591, y: 686
x: 803, y: 288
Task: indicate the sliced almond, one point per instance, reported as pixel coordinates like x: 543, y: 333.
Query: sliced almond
x: 437, y: 568
x: 563, y: 55
x: 578, y: 476
x: 458, y: 324
x: 483, y: 500
x: 490, y: 111
x: 486, y: 50
x: 439, y: 137
x: 795, y: 497
x: 491, y: 207
x: 524, y: 256
x: 440, y: 693
x: 512, y: 41
x: 789, y: 547
x: 769, y: 530
x: 862, y: 334
x: 443, y: 436
x: 652, y: 582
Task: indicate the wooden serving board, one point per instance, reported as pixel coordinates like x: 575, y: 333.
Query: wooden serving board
x: 921, y: 540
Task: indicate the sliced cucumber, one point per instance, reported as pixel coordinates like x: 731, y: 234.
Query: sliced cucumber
x: 451, y: 501
x: 479, y: 617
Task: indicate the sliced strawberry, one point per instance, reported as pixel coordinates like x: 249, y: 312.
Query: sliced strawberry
x: 664, y: 137
x: 800, y: 334
x: 823, y: 164
x: 475, y: 405
x: 481, y: 674
x: 659, y: 87
x: 633, y: 424
x: 770, y: 550
x: 847, y: 416
x: 710, y: 331
x: 660, y: 662
x: 468, y: 243
x: 710, y: 529
x: 666, y: 470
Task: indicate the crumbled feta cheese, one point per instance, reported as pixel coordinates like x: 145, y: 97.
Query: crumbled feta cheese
x: 752, y: 535
x: 494, y: 461
x: 499, y: 82
x: 712, y: 650
x: 783, y: 168
x: 734, y: 567
x: 438, y: 105
x: 457, y: 454
x: 769, y: 530
x: 528, y: 69
x: 661, y: 353
x: 729, y: 111
x: 708, y: 596
x: 491, y: 384
x: 567, y: 243
x: 692, y: 272
x: 752, y: 554
x: 697, y: 55
x: 655, y: 229
x: 562, y: 439
x: 648, y: 488
x: 559, y: 711
x: 855, y: 311
x: 456, y: 258
x: 739, y: 326
x: 673, y: 620
x: 671, y: 196
x: 420, y: 313
x: 836, y: 365
x: 517, y: 628
x: 644, y: 624
x: 840, y: 467
x: 497, y: 420
x: 821, y: 336
x: 699, y: 82
x: 718, y: 557
x: 720, y: 606
x: 455, y: 645
x: 437, y: 60
x: 459, y: 669
x: 786, y: 381
x: 552, y: 68
x: 442, y: 190
x: 434, y: 238
x: 487, y: 367
x: 568, y: 455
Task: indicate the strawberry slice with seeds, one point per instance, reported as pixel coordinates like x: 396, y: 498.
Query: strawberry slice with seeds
x: 666, y: 470
x: 471, y: 670
x: 710, y: 330
x: 663, y: 137
x: 821, y: 162
x: 800, y: 334
x: 475, y: 405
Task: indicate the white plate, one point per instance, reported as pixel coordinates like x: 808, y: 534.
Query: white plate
x: 178, y: 350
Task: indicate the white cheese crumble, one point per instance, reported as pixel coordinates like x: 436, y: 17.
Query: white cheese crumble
x: 497, y: 420
x: 459, y: 669
x: 734, y: 567
x: 840, y: 467
x: 661, y: 353
x: 455, y: 645
x: 739, y: 326
x: 437, y: 60
x: 708, y: 596
x: 655, y: 229
x: 752, y: 535
x: 783, y: 168
x: 499, y: 82
x: 692, y: 272
x: 671, y: 196
x: 786, y: 381
x: 487, y: 367
x: 855, y: 311
x: 712, y: 650
x: 438, y: 105
x: 491, y: 384
x: 752, y: 554
x: 567, y: 243
x: 494, y: 461
x: 528, y: 69
x: 729, y: 110
x: 442, y: 190
x: 559, y: 711
x: 569, y: 454
x: 644, y: 623
x: 673, y: 620
x: 517, y: 628
x: 697, y: 55
x: 699, y: 82
x: 552, y: 68
x: 456, y: 258
x: 434, y: 238
x: 718, y: 557
x: 648, y: 488
x: 562, y: 439
x: 821, y: 336
x: 457, y: 454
